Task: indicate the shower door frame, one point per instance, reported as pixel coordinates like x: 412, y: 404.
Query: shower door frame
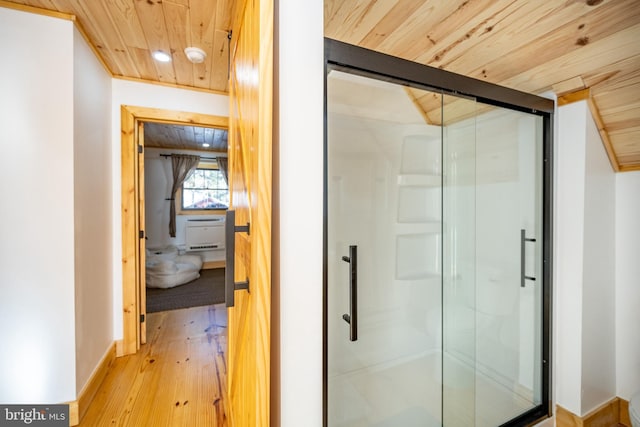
x: 367, y: 63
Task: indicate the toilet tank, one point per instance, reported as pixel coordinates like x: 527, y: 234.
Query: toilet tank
x: 204, y: 234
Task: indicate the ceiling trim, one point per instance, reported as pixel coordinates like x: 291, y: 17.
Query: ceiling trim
x: 585, y: 95
x: 38, y: 10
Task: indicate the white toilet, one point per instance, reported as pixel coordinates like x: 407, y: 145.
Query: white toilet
x: 634, y: 410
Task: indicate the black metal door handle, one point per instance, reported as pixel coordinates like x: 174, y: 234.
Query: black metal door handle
x: 230, y: 285
x: 523, y: 240
x: 352, y: 317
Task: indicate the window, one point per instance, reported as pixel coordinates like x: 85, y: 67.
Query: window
x: 205, y: 189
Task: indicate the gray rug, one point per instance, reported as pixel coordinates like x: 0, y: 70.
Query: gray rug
x: 208, y: 289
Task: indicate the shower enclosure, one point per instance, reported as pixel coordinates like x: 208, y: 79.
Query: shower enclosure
x: 437, y: 247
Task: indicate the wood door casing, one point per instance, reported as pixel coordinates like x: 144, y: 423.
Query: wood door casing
x: 142, y: 270
x: 130, y: 193
x: 250, y: 156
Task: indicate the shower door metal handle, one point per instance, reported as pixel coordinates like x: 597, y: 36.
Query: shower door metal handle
x: 230, y: 285
x: 352, y: 317
x: 523, y: 240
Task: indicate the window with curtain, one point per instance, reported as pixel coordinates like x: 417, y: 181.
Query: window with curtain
x: 205, y: 189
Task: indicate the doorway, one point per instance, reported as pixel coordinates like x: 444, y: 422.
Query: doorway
x: 133, y: 214
x: 437, y: 247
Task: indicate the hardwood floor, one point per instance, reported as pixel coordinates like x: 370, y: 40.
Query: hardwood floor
x: 177, y: 379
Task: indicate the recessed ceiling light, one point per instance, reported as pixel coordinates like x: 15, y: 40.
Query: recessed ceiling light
x: 206, y: 145
x: 161, y: 56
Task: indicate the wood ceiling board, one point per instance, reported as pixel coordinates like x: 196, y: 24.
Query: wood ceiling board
x: 185, y: 137
x: 498, y: 34
x: 617, y: 100
x: 626, y: 148
x: 202, y: 15
x: 224, y: 15
x: 396, y: 17
x: 528, y: 29
x: 125, y: 18
x: 612, y: 49
x: 220, y: 60
x: 471, y: 26
x: 152, y: 18
x: 410, y: 36
x: 568, y: 86
x: 630, y: 132
x: 549, y: 59
x: 100, y: 28
x: 177, y: 17
x: 144, y: 63
x: 356, y: 18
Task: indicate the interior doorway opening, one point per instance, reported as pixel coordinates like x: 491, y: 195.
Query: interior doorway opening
x: 133, y: 212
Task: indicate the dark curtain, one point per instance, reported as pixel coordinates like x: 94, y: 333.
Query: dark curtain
x: 223, y: 165
x: 182, y: 165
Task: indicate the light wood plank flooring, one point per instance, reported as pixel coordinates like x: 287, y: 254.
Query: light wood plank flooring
x: 177, y: 379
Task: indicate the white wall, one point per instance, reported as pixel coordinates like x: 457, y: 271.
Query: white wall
x: 37, y: 356
x: 125, y: 92
x: 568, y: 264
x: 158, y: 179
x: 298, y: 292
x: 627, y: 283
x: 92, y: 188
x: 598, y: 277
x: 585, y: 365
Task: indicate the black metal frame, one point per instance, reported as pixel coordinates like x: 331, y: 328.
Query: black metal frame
x: 368, y: 63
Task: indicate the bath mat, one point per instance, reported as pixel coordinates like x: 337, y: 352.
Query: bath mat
x: 208, y: 289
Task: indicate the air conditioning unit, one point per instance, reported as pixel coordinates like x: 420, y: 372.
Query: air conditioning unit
x: 205, y: 234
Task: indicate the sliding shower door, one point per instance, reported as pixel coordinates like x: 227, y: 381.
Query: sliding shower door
x: 437, y: 241
x: 383, y: 256
x: 492, y: 254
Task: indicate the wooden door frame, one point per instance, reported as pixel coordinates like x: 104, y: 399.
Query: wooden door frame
x: 130, y: 117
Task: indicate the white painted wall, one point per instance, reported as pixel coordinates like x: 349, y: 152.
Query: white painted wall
x: 298, y: 292
x: 627, y: 253
x: 126, y: 92
x: 568, y: 250
x: 585, y: 364
x: 598, y: 279
x: 158, y: 179
x: 37, y: 355
x: 92, y: 199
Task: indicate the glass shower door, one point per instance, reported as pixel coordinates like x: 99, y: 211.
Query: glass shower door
x: 434, y: 249
x: 492, y: 251
x: 383, y: 256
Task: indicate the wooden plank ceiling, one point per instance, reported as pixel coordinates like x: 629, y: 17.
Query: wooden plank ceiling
x: 125, y: 32
x: 194, y: 138
x: 529, y: 45
x: 532, y: 46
